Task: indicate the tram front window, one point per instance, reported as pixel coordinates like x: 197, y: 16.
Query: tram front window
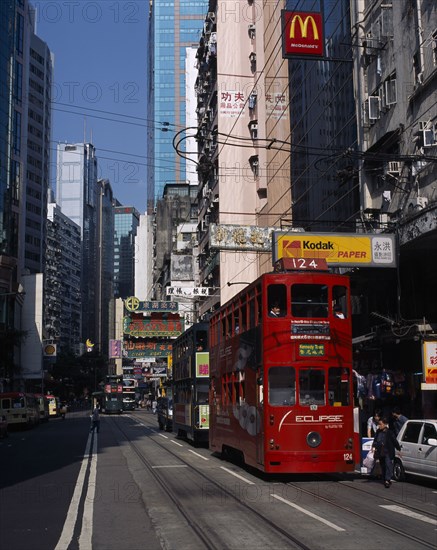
x: 338, y: 386
x: 282, y: 386
x: 311, y: 387
x: 309, y: 301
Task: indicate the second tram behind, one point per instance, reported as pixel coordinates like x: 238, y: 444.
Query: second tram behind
x: 111, y: 398
x: 281, y: 389
x: 190, y: 384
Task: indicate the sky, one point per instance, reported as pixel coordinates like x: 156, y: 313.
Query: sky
x: 99, y: 50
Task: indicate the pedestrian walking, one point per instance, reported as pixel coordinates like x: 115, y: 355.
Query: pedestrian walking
x: 383, y: 447
x: 398, y: 420
x: 95, y: 420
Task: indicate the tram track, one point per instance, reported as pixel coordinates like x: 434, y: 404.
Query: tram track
x: 278, y: 536
x: 373, y: 521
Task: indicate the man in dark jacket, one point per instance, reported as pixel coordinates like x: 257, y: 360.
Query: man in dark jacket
x: 384, y: 446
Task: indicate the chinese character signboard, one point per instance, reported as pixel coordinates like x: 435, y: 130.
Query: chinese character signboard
x: 189, y: 291
x: 429, y: 354
x: 302, y: 34
x: 152, y: 328
x: 240, y: 237
x: 134, y: 304
x: 277, y: 105
x: 338, y: 249
x: 140, y: 348
x: 114, y: 349
x: 231, y: 103
x: 202, y: 364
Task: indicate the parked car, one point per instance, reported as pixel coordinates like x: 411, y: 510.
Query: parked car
x: 165, y: 413
x: 418, y: 455
x: 3, y: 426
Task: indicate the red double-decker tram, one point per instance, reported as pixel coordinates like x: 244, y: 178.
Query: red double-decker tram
x: 281, y: 391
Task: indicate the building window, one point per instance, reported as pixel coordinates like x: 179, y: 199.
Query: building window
x: 17, y: 133
x: 19, y: 37
x: 390, y: 90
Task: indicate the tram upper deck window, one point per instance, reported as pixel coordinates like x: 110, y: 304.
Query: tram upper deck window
x: 311, y: 387
x: 277, y: 300
x: 282, y: 386
x: 339, y: 302
x: 309, y: 301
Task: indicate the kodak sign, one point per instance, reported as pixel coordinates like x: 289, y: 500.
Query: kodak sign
x: 338, y: 249
x: 302, y: 34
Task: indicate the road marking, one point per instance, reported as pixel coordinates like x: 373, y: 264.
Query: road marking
x: 171, y: 466
x: 176, y: 443
x: 308, y: 513
x: 237, y: 475
x: 85, y: 539
x: 70, y: 520
x: 197, y: 454
x: 164, y: 436
x: 409, y: 513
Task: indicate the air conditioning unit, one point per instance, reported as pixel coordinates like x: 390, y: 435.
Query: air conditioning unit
x: 418, y: 203
x: 251, y: 31
x: 393, y: 167
x: 211, y: 16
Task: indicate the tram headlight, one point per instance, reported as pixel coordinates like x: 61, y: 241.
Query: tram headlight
x: 314, y: 439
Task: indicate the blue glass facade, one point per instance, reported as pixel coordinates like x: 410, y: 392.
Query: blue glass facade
x: 175, y: 26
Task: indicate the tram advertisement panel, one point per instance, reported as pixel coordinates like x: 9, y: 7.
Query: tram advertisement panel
x: 202, y: 365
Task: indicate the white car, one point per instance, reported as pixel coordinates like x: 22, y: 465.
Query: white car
x: 418, y: 455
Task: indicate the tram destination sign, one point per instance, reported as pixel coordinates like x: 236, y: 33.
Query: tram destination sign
x: 338, y: 249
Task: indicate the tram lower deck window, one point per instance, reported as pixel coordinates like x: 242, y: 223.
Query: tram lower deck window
x: 282, y: 386
x: 311, y: 387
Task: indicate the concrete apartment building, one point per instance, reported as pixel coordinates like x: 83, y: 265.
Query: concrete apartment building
x: 395, y: 66
x: 244, y: 175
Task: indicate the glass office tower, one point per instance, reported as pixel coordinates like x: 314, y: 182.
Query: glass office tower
x: 174, y: 26
x: 126, y: 221
x: 323, y: 180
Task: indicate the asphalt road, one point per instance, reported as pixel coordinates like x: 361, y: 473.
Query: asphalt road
x: 134, y: 487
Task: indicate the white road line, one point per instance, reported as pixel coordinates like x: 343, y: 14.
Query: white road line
x: 176, y: 443
x: 164, y: 436
x: 197, y: 454
x: 171, y: 466
x: 308, y: 513
x: 237, y: 475
x: 409, y: 513
x: 86, y: 534
x: 70, y: 520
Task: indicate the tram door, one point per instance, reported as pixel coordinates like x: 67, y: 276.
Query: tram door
x: 260, y: 418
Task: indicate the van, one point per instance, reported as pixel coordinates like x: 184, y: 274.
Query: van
x: 418, y: 455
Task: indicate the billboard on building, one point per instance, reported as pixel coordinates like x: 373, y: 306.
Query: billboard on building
x: 429, y: 358
x: 302, y: 34
x: 338, y: 249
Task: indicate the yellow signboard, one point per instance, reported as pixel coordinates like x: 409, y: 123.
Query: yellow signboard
x: 429, y: 357
x: 339, y: 249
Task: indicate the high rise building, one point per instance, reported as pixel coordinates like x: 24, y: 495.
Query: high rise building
x: 62, y: 306
x: 77, y: 195
x: 243, y: 140
x: 143, y: 260
x: 173, y: 27
x: 38, y: 154
x: 25, y: 82
x: 104, y: 315
x: 323, y: 180
x: 126, y: 222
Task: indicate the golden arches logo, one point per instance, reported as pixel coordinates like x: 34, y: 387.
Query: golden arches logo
x: 304, y: 26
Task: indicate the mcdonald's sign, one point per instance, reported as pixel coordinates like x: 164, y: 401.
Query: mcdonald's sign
x: 302, y: 34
